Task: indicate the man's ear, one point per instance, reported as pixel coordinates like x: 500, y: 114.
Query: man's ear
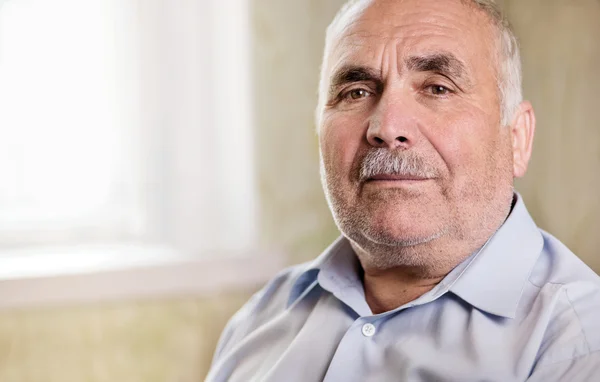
x: 522, y: 132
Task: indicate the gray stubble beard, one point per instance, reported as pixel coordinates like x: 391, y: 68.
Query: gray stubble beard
x: 380, y: 250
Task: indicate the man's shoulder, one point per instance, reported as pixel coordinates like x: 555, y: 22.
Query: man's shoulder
x: 277, y: 294
x: 557, y: 264
x: 572, y: 288
x: 272, y: 299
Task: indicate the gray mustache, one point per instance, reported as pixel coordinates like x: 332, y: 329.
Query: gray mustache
x: 383, y: 161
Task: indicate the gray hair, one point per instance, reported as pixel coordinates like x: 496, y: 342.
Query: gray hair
x: 509, y: 65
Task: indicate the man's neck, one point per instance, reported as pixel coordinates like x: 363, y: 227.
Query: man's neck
x: 419, y: 268
x: 387, y: 291
x: 391, y: 288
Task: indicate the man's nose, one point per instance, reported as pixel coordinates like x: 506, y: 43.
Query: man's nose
x: 393, y: 125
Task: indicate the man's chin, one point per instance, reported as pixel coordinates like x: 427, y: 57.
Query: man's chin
x: 390, y: 238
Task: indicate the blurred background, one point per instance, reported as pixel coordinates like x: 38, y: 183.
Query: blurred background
x: 159, y: 163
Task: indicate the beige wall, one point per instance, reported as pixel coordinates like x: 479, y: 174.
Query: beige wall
x: 173, y: 340
x: 150, y: 341
x: 561, y: 61
x: 288, y: 49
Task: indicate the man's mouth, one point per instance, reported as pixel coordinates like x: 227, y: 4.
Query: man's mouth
x: 397, y: 178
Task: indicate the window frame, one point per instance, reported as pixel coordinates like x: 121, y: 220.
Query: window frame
x: 179, y: 49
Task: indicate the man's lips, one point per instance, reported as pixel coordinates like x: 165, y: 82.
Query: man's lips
x: 397, y: 178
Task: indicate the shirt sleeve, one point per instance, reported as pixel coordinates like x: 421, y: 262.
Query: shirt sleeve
x: 581, y: 369
x: 232, y: 329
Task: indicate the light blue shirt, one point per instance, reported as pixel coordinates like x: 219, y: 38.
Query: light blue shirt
x: 524, y: 308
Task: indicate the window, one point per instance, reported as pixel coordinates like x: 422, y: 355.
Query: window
x: 126, y: 121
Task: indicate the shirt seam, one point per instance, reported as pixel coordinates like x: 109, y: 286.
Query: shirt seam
x: 540, y: 286
x: 587, y: 344
x: 548, y: 364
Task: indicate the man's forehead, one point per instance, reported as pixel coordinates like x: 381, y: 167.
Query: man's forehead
x: 418, y: 28
x: 382, y: 12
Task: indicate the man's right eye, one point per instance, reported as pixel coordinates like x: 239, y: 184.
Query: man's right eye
x: 356, y: 94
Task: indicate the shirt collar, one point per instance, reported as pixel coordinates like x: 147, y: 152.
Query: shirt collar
x: 336, y: 269
x: 491, y: 280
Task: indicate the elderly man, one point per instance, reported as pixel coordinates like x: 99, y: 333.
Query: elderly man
x: 441, y: 274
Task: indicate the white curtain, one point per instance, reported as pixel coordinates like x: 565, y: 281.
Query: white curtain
x: 126, y: 121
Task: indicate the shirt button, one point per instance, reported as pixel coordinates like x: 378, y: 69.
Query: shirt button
x: 368, y: 330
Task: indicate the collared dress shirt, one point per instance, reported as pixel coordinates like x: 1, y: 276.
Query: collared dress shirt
x: 523, y: 308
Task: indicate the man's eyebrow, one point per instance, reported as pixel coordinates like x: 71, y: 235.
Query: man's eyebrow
x: 443, y: 63
x: 352, y: 74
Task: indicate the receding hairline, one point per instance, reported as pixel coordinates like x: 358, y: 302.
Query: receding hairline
x: 507, y: 54
x: 353, y: 10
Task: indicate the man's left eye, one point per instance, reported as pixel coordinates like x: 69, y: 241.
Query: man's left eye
x: 439, y: 90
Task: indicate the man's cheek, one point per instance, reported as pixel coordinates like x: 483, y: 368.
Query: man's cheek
x: 458, y: 151
x: 335, y: 152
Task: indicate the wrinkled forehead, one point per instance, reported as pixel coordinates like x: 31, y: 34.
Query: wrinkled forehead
x: 413, y: 27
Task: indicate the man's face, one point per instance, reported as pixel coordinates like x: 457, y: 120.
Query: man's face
x: 411, y: 142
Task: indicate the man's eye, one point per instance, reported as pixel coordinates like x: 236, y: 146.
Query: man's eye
x: 439, y: 90
x: 357, y: 94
